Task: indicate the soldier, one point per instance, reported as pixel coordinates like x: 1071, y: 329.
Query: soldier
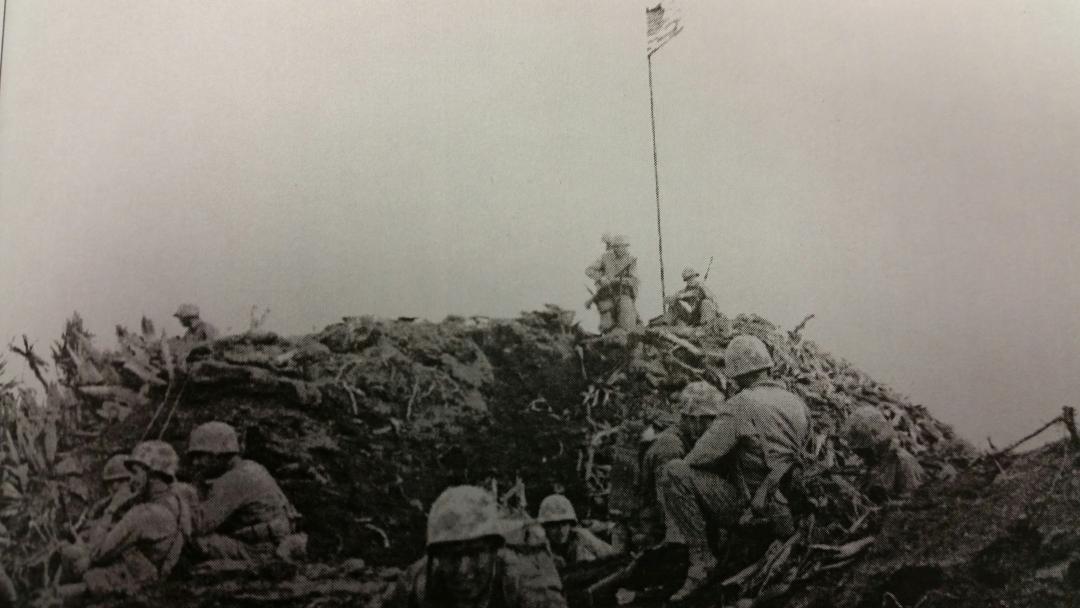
x: 146, y: 543
x: 737, y: 464
x: 118, y: 497
x: 694, y: 304
x: 197, y: 329
x: 570, y: 543
x: 468, y: 563
x: 892, y: 472
x: 616, y: 285
x: 699, y: 405
x: 245, y: 517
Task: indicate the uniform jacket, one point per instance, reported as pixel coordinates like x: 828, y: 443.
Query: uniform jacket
x: 584, y: 546
x: 201, y: 331
x: 156, y: 529
x: 243, y: 496
x: 522, y: 580
x: 762, y: 427
x: 898, y: 473
x: 609, y: 266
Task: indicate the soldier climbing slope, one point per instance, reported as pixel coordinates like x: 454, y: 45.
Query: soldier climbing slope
x: 245, y: 518
x: 615, y: 274
x: 699, y: 405
x: 570, y: 543
x: 469, y: 565
x: 892, y: 472
x: 144, y: 546
x: 760, y: 432
x: 693, y: 305
x: 197, y: 329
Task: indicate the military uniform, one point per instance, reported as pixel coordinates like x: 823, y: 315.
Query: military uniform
x: 897, y: 474
x: 762, y: 428
x: 668, y: 445
x: 141, y: 548
x: 892, y: 472
x: 616, y: 277
x: 583, y: 546
x: 693, y: 305
x: 245, y: 515
x: 522, y: 580
x: 201, y: 331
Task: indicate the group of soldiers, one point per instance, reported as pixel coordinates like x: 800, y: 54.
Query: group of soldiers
x: 727, y: 462
x: 237, y: 518
x: 615, y: 275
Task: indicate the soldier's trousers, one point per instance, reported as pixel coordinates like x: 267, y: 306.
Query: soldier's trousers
x: 219, y: 546
x: 692, y: 499
x: 618, y: 311
x: 126, y: 575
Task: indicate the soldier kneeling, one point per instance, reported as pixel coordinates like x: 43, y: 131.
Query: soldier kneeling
x: 246, y: 521
x: 144, y: 546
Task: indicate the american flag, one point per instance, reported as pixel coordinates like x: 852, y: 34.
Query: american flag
x: 663, y: 24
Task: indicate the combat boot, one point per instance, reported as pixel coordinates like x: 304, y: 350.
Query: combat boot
x: 701, y: 568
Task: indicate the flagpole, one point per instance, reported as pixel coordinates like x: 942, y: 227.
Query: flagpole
x: 656, y: 180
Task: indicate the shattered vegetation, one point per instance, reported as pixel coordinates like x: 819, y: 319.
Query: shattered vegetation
x: 366, y: 422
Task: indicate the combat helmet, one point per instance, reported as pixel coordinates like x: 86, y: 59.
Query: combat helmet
x: 867, y: 429
x: 157, y: 456
x: 462, y: 513
x: 213, y: 438
x: 700, y: 399
x: 746, y: 354
x: 115, y: 469
x: 187, y: 311
x: 689, y: 273
x: 556, y: 509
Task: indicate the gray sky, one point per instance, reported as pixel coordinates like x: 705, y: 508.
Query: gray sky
x: 906, y: 170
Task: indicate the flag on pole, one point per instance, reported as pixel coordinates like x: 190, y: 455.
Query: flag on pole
x: 662, y: 24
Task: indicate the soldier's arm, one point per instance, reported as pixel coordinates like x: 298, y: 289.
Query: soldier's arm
x: 596, y: 270
x: 225, y: 498
x: 716, y: 443
x: 535, y: 582
x: 124, y: 534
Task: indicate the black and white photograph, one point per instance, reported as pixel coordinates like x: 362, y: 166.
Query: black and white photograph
x: 560, y: 304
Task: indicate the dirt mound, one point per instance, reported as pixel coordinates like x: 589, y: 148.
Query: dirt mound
x: 367, y: 421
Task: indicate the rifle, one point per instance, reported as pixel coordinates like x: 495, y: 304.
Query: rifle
x: 705, y: 277
x: 589, y: 302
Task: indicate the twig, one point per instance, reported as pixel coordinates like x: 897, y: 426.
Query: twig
x: 1026, y: 438
x: 35, y: 362
x: 172, y: 410
x: 796, y: 333
x: 157, y: 412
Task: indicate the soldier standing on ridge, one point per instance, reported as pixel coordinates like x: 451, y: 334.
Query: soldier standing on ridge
x: 469, y: 564
x: 615, y: 274
x: 760, y: 433
x: 197, y: 329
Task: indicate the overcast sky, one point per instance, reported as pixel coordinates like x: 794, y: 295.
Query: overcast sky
x: 909, y: 171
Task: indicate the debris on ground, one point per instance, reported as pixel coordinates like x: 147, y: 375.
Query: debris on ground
x: 367, y: 421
